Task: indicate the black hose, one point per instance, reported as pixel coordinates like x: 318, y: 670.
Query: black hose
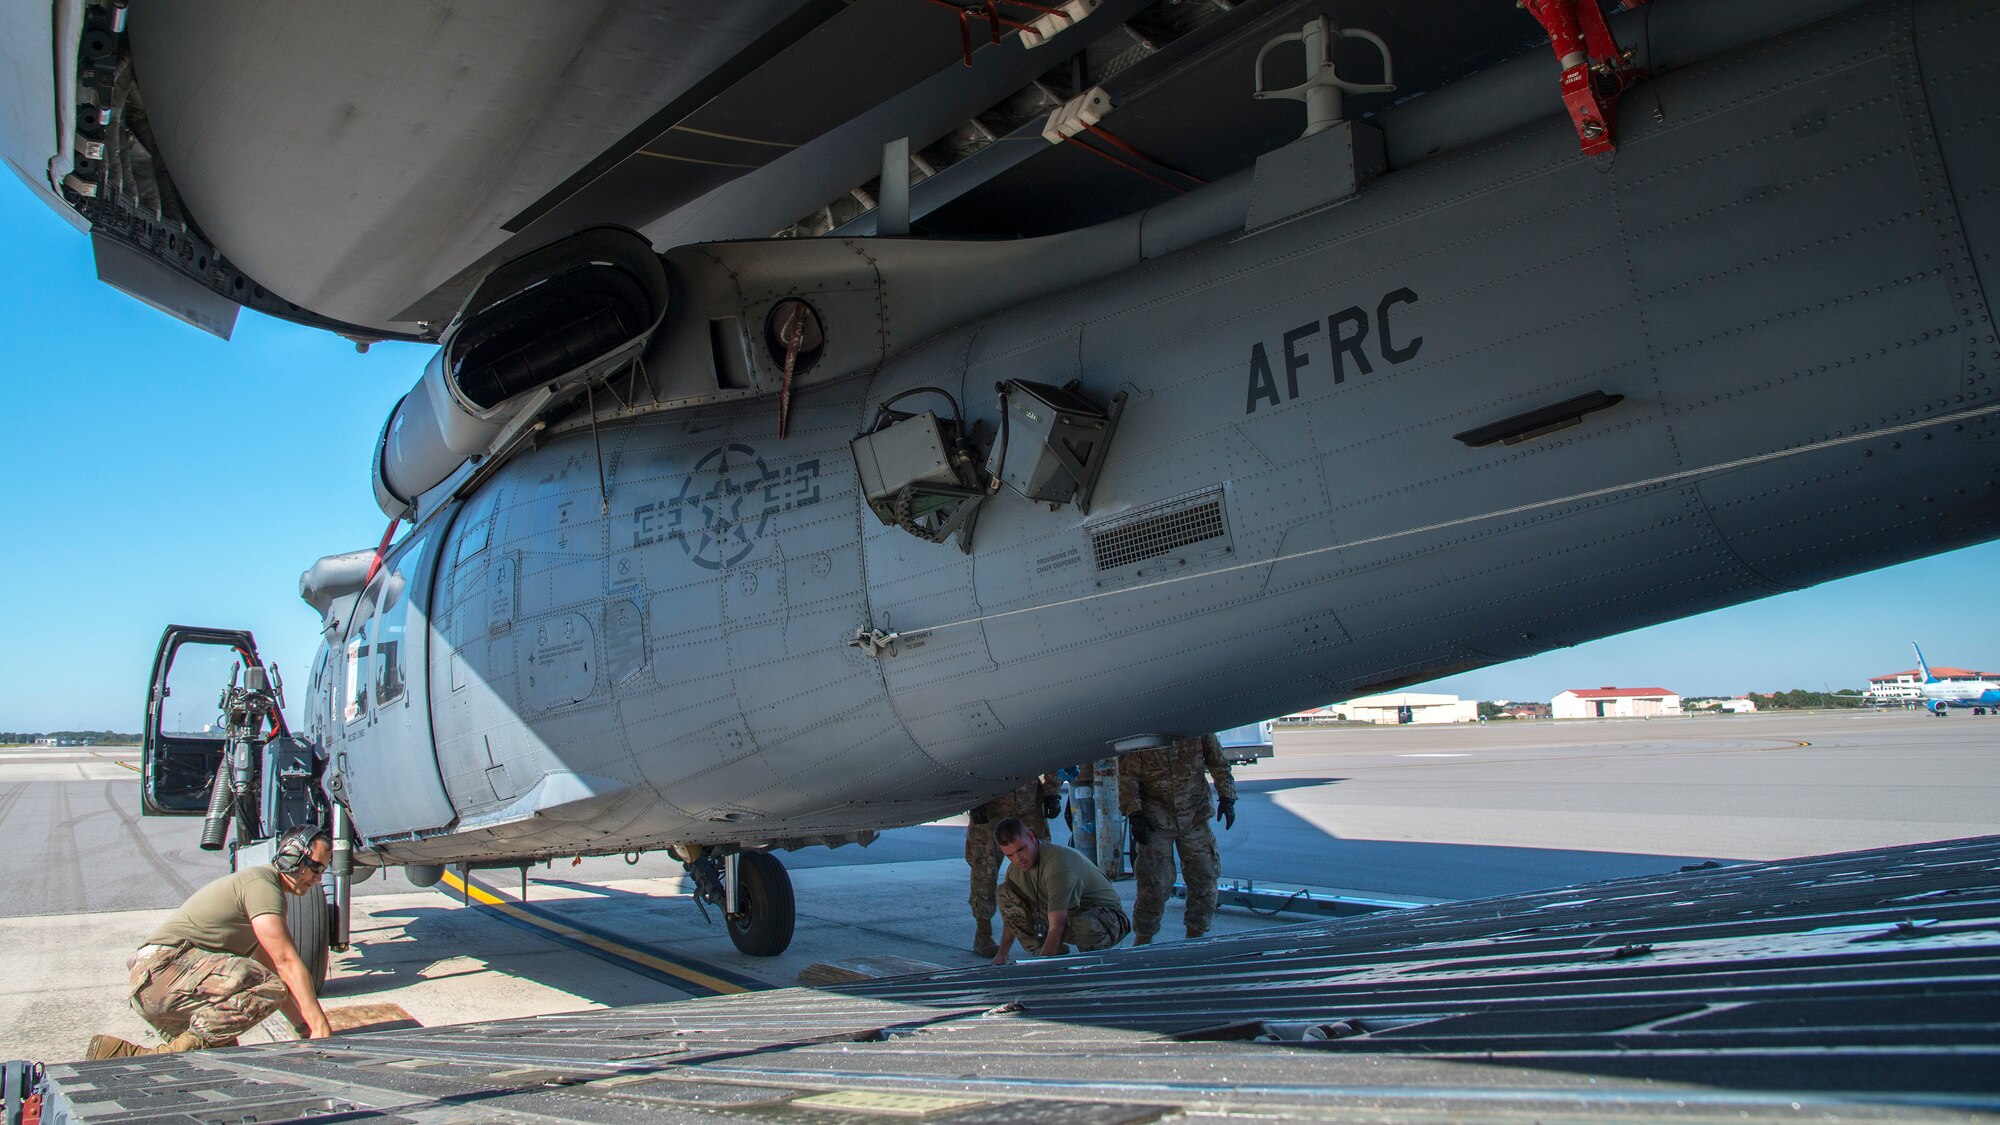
x: 956, y: 415
x: 221, y: 801
x: 1000, y: 449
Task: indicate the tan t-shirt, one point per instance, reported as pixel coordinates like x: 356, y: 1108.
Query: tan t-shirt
x: 218, y: 916
x: 1062, y: 879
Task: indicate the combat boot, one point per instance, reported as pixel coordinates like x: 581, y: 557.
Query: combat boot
x: 185, y: 1041
x: 111, y: 1047
x: 982, y: 938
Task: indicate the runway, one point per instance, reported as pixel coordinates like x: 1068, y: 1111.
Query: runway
x: 1415, y: 813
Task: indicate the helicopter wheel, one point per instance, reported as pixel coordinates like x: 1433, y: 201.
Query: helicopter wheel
x: 763, y: 925
x: 308, y: 920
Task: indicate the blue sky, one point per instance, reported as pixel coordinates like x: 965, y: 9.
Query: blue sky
x: 156, y: 474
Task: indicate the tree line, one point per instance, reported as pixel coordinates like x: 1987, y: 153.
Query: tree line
x: 1799, y: 700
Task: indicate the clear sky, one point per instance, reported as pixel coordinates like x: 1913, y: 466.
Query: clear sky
x: 155, y: 474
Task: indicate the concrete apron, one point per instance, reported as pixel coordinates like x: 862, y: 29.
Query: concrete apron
x: 577, y: 946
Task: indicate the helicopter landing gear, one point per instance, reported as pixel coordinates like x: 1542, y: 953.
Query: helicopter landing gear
x: 755, y: 894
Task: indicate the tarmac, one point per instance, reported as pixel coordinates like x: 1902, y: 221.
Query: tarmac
x: 1411, y: 814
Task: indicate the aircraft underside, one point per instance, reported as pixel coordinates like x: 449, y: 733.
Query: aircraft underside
x: 1116, y: 408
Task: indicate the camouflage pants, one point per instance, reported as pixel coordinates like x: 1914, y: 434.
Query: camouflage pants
x: 1090, y: 928
x: 982, y: 854
x: 216, y: 996
x: 1153, y: 868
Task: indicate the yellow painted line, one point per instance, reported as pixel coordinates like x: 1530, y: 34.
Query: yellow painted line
x: 693, y: 976
x: 728, y: 137
x: 129, y: 766
x: 692, y: 160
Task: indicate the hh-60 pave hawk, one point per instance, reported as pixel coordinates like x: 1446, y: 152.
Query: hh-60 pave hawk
x: 844, y: 410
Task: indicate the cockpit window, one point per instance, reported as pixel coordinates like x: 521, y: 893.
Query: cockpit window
x: 391, y: 650
x: 360, y: 651
x: 193, y: 707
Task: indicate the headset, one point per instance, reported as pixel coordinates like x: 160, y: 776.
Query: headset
x: 295, y: 847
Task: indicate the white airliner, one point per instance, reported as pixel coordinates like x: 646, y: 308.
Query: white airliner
x: 1982, y: 694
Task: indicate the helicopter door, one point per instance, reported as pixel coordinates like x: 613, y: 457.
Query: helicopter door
x: 184, y: 723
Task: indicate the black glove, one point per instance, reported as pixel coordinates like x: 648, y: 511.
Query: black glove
x: 1142, y: 827
x: 1225, y: 811
x: 979, y: 815
x: 1051, y: 807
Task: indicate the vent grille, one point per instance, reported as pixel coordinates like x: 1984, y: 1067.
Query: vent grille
x: 1151, y: 535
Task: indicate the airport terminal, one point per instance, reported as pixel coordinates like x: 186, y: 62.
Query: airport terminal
x: 869, y: 491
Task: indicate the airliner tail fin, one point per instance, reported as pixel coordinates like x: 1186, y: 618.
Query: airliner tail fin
x: 1922, y: 666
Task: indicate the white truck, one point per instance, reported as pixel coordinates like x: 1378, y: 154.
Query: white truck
x: 1246, y: 744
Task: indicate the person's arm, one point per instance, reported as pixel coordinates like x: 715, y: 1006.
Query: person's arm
x: 1225, y: 781
x: 286, y: 1007
x: 276, y: 951
x: 1058, y: 928
x: 1006, y: 943
x: 1218, y: 768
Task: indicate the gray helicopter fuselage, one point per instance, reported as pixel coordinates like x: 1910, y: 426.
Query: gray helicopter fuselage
x: 637, y: 633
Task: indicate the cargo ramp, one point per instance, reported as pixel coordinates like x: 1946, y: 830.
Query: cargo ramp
x: 1863, y: 986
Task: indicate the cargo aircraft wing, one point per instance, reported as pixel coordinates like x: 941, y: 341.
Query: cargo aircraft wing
x: 360, y: 166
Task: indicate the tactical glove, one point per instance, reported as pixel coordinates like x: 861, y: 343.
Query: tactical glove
x: 979, y: 815
x: 1142, y: 827
x: 1051, y: 807
x: 1225, y: 811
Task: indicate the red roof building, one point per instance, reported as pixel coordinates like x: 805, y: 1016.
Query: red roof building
x: 1938, y: 670
x: 1615, y: 703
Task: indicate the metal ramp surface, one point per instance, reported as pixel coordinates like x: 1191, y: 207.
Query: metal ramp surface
x: 1855, y: 987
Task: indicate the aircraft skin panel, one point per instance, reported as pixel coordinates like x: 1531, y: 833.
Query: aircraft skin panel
x: 752, y: 708
x: 1952, y: 59
x: 1817, y: 332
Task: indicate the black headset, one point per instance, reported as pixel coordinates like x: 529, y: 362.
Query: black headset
x: 295, y: 847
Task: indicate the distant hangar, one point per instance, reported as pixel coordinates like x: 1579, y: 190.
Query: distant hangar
x: 1615, y: 703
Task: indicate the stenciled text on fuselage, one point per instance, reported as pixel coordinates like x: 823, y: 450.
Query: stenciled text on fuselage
x: 1343, y: 338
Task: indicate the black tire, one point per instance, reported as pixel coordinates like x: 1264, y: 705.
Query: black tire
x: 763, y: 927
x: 306, y: 920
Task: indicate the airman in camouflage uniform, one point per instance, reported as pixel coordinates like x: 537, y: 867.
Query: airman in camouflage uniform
x: 225, y: 960
x: 1163, y: 795
x: 1034, y: 802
